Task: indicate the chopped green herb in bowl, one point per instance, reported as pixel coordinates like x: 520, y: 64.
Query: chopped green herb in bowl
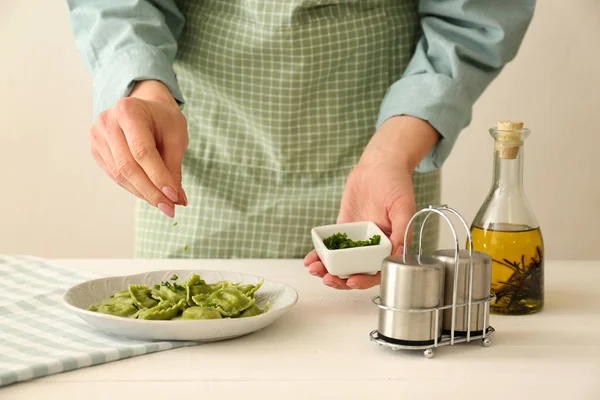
x: 342, y: 241
x: 361, y: 256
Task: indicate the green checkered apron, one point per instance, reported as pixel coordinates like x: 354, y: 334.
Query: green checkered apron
x: 282, y: 97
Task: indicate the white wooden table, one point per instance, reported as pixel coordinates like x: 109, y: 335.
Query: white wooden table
x: 321, y: 349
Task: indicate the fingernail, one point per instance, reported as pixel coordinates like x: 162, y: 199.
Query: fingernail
x: 315, y: 273
x: 332, y: 284
x: 166, y: 209
x: 184, y: 197
x: 352, y: 285
x: 171, y: 194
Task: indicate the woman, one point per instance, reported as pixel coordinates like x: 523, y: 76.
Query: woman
x: 296, y: 113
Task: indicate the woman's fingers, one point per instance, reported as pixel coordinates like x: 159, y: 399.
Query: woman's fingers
x: 358, y: 281
x: 103, y: 157
x: 172, y: 151
x: 361, y: 281
x: 311, y: 258
x: 317, y: 269
x: 335, y: 282
x: 400, y: 214
x: 138, y: 133
x: 353, y: 282
x: 127, y: 169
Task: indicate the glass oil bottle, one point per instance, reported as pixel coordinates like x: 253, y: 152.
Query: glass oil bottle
x: 507, y: 230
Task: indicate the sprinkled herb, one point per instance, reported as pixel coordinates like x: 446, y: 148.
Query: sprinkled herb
x: 177, y: 287
x: 342, y: 241
x: 175, y: 224
x: 185, y: 248
x: 174, y: 287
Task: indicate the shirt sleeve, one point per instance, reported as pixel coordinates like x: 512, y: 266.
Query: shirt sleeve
x: 463, y: 47
x: 125, y: 41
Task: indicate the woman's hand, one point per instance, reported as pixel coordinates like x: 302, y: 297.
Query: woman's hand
x: 140, y: 143
x: 379, y: 189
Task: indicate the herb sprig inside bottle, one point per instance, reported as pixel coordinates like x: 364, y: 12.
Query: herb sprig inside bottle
x: 339, y: 241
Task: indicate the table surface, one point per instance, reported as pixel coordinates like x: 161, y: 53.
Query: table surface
x: 321, y: 348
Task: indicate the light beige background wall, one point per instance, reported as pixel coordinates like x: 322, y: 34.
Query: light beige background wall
x: 56, y: 203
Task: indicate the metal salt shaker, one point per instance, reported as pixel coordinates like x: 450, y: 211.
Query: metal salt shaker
x: 411, y: 283
x: 482, y: 274
x: 428, y: 301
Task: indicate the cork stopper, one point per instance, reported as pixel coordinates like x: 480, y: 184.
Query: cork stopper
x: 508, y: 139
x: 510, y: 125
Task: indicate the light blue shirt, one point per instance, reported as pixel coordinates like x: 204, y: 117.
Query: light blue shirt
x: 464, y: 46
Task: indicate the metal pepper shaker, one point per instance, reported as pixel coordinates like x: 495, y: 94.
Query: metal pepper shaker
x: 411, y: 283
x: 431, y: 301
x: 481, y: 265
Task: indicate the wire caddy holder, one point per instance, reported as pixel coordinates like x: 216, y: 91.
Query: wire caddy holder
x: 445, y: 339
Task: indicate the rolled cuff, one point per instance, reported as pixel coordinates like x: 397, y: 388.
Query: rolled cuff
x: 435, y: 98
x: 118, y: 76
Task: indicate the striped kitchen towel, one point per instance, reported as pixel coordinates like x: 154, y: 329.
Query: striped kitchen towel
x: 39, y: 336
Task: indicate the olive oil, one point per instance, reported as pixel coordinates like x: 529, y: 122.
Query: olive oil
x: 517, y: 253
x: 506, y: 229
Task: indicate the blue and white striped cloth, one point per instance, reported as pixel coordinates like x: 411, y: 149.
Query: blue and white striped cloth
x: 39, y: 336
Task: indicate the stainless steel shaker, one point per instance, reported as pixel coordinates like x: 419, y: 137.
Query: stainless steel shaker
x: 482, y: 274
x: 427, y: 301
x: 411, y: 283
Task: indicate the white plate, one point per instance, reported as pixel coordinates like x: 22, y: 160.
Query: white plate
x: 281, y: 298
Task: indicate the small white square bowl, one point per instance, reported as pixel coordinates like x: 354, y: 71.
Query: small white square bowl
x: 356, y: 260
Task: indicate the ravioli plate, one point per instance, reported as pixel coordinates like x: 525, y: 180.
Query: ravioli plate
x: 280, y: 299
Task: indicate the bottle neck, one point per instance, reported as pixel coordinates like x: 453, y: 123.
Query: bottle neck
x: 506, y: 207
x: 508, y: 172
